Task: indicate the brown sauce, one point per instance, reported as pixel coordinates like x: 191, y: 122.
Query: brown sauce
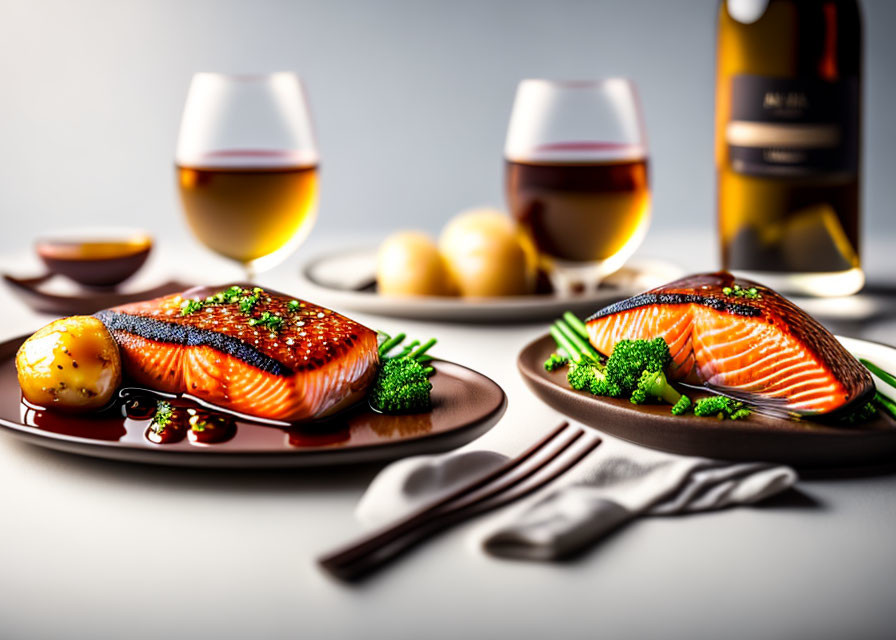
x: 134, y: 415
x: 99, y: 425
x: 171, y: 419
x: 138, y: 409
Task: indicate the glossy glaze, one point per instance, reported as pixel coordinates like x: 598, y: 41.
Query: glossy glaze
x: 465, y: 404
x: 315, y: 362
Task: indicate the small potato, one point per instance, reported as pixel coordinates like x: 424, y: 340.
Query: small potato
x: 72, y: 364
x: 409, y: 264
x: 486, y: 255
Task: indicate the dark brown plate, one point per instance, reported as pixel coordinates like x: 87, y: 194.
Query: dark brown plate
x: 33, y: 293
x: 465, y: 405
x: 799, y: 443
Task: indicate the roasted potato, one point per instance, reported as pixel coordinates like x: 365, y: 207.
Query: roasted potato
x: 72, y: 364
x: 487, y: 256
x: 409, y: 264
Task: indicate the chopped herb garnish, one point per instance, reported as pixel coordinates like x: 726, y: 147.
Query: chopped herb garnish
x: 245, y: 298
x: 232, y: 294
x: 188, y: 307
x: 738, y: 292
x: 197, y: 424
x: 163, y: 416
x: 249, y: 300
x: 267, y: 319
x: 228, y: 296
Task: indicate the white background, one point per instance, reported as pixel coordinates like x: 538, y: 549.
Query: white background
x: 411, y: 100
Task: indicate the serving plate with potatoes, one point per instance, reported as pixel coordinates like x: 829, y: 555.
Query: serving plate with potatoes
x: 479, y: 269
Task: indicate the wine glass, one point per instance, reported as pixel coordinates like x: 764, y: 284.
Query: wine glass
x: 247, y: 166
x: 576, y: 176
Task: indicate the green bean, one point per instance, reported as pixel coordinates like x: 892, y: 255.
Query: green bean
x: 584, y: 347
x: 880, y: 373
x: 578, y: 326
x: 564, y: 343
x: 390, y: 344
x: 426, y: 346
x: 885, y: 403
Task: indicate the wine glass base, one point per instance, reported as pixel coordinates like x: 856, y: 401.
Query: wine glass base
x: 570, y: 279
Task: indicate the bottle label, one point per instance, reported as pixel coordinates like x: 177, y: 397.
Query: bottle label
x: 792, y: 126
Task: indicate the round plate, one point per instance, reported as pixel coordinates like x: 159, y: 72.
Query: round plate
x: 465, y: 405
x: 804, y: 444
x: 346, y: 280
x: 37, y: 293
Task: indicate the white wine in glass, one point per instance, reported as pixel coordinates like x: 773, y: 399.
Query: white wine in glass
x: 247, y: 166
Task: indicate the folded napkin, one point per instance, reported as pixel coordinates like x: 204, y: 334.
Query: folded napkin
x: 613, y: 485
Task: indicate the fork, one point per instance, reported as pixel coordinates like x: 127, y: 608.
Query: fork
x: 542, y: 463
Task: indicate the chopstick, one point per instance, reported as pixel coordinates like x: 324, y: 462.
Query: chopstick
x: 540, y: 464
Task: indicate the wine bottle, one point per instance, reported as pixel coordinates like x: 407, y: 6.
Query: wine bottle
x: 788, y: 93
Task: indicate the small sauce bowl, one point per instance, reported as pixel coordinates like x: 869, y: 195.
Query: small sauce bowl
x: 100, y: 258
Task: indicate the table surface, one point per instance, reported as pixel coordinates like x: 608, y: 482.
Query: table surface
x: 98, y: 549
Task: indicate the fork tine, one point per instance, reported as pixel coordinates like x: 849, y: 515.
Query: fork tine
x: 362, y: 557
x: 377, y: 557
x: 525, y: 489
x: 521, y: 473
x: 372, y: 539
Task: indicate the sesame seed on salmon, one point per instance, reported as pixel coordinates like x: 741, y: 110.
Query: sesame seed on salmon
x: 276, y: 358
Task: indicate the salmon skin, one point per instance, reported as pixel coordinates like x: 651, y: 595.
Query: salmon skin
x: 233, y: 352
x: 759, y: 348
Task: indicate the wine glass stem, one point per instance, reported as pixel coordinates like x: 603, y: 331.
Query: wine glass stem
x: 249, y: 270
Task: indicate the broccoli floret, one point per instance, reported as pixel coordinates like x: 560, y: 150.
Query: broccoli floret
x: 401, y: 386
x: 682, y: 406
x: 579, y: 376
x: 631, y: 358
x: 711, y: 406
x: 721, y: 407
x: 555, y: 361
x: 587, y: 375
x: 863, y: 414
x: 604, y: 387
x: 623, y: 371
x: 622, y: 374
x: 652, y: 385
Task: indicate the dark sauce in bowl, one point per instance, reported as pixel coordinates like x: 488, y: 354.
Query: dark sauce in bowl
x: 95, y: 261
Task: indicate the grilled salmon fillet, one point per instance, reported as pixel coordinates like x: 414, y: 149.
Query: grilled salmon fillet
x: 752, y: 345
x: 268, y: 356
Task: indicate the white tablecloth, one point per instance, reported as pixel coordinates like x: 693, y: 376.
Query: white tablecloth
x: 95, y: 549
